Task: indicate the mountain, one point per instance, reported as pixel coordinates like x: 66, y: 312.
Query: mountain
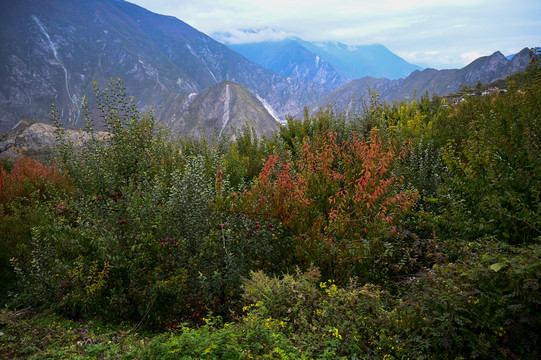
x: 360, y: 61
x: 289, y: 58
x: 327, y: 63
x: 223, y: 110
x: 53, y: 51
x: 440, y: 82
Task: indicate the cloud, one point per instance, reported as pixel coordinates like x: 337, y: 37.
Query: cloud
x: 245, y: 36
x: 440, y: 33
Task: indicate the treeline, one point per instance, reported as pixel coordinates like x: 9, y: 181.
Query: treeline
x: 410, y: 230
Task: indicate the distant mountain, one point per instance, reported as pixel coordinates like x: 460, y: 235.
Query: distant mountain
x: 327, y: 63
x: 360, y: 61
x: 53, y: 50
x: 223, y: 110
x: 291, y: 59
x: 440, y: 82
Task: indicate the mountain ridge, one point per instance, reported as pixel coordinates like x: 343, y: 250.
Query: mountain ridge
x: 338, y: 62
x: 485, y: 69
x: 363, y: 60
x: 224, y: 110
x: 289, y: 58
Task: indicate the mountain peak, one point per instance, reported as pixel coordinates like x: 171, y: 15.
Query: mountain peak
x: 362, y: 60
x: 223, y: 110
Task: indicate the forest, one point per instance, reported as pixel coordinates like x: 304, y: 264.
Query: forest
x: 409, y: 230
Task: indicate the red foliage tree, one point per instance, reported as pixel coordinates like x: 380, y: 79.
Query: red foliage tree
x: 27, y: 176
x: 337, y: 200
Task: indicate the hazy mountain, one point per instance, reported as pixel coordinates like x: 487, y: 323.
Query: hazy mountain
x: 52, y: 51
x: 328, y: 63
x: 222, y: 110
x: 360, y: 61
x: 440, y: 82
x: 291, y: 59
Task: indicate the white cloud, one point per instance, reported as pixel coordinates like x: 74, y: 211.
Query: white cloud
x: 440, y: 33
x: 238, y: 36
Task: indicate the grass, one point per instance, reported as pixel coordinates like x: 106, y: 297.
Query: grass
x: 32, y: 334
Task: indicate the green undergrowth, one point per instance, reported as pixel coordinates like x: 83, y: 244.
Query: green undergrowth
x: 484, y: 305
x: 33, y: 334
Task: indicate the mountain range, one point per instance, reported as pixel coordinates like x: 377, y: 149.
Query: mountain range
x: 291, y: 59
x: 52, y: 51
x: 330, y: 64
x: 485, y: 69
x: 360, y: 61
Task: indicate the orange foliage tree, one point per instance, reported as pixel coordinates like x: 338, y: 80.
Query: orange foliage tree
x: 27, y: 176
x: 338, y: 200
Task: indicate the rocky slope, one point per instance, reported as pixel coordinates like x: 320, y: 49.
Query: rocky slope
x: 37, y: 139
x: 223, y: 110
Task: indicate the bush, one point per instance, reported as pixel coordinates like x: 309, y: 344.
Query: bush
x: 28, y: 176
x: 147, y: 234
x: 24, y: 190
x: 482, y: 306
x: 339, y: 201
x: 324, y: 320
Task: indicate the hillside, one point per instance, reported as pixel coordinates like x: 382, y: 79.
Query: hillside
x: 223, y: 110
x: 434, y: 82
x: 53, y: 51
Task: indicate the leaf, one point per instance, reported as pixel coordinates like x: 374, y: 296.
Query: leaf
x: 496, y: 267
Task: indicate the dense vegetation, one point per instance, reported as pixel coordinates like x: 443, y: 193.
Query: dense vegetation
x: 411, y: 230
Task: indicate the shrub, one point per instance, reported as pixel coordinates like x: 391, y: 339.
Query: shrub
x: 338, y: 200
x: 483, y: 305
x: 149, y: 227
x: 27, y: 176
x: 323, y: 319
x: 23, y: 190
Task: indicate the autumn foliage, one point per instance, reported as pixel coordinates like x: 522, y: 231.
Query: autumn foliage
x: 27, y: 176
x: 337, y: 199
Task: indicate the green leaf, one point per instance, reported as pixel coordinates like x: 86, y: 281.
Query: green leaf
x: 496, y: 267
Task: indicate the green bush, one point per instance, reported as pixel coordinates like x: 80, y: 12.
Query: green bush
x: 324, y: 320
x: 148, y: 233
x: 484, y: 305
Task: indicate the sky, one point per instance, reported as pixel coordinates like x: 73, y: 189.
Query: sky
x: 438, y: 33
